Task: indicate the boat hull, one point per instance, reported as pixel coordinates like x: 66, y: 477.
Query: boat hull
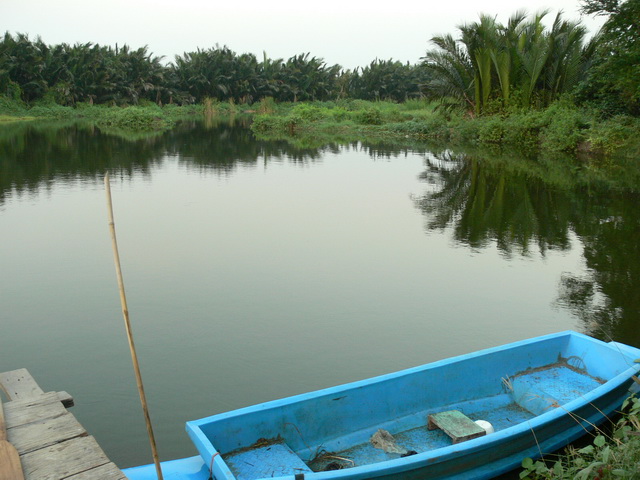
x: 540, y: 394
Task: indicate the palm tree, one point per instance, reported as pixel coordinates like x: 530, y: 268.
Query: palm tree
x: 452, y: 71
x: 489, y: 61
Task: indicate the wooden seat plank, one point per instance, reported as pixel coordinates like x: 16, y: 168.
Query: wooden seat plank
x: 455, y: 424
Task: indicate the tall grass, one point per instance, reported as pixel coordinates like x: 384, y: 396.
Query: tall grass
x: 614, y: 455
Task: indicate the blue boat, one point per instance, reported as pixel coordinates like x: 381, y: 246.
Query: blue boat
x: 474, y: 416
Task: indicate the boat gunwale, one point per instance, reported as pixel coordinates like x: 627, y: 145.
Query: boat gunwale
x: 431, y: 456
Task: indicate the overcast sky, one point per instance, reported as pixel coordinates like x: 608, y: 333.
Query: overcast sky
x: 350, y: 33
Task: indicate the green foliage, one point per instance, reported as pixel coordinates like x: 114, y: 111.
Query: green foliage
x: 524, y: 129
x: 308, y: 112
x: 51, y: 110
x: 492, y: 131
x: 266, y: 123
x: 561, y: 128
x: 83, y: 72
x: 564, y: 128
x: 340, y: 114
x: 387, y: 80
x: 135, y: 118
x: 614, y: 81
x: 433, y: 126
x: 609, y: 136
x: 614, y: 456
x: 490, y: 62
x: 370, y: 116
x: 267, y: 105
x: 11, y: 106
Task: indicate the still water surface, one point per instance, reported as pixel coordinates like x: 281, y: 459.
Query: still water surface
x: 256, y: 270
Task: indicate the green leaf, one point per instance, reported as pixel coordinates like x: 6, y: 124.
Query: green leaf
x: 588, y: 450
x: 527, y: 463
x: 619, y: 472
x: 583, y: 474
x: 599, y: 441
x: 587, y: 471
x: 605, y: 454
x: 558, y: 469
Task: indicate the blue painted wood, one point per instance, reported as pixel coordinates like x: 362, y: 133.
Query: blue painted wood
x: 532, y: 392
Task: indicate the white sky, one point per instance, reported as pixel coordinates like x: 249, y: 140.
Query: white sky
x: 350, y: 33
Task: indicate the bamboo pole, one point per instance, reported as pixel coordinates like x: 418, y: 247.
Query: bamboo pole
x: 127, y: 323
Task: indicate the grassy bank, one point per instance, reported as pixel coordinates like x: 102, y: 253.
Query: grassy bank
x: 561, y: 128
x: 147, y: 116
x: 614, y: 453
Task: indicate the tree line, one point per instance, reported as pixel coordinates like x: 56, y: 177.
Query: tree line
x: 487, y: 67
x: 32, y: 71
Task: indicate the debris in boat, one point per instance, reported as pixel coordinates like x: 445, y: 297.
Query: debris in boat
x: 409, y: 453
x: 506, y: 381
x: 385, y: 441
x: 326, y: 461
x: 260, y: 443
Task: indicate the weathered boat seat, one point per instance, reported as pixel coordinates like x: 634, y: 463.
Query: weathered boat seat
x: 271, y: 460
x: 455, y: 424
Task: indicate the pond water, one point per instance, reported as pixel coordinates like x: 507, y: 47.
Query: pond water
x: 260, y: 269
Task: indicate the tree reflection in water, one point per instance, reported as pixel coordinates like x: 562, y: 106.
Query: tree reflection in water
x: 485, y: 202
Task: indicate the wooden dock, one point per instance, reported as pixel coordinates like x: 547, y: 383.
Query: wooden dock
x: 51, y: 442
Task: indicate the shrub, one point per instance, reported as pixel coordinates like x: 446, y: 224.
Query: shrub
x: 266, y: 123
x: 135, y: 118
x: 465, y: 129
x: 492, y: 130
x: 564, y: 129
x: 370, y: 116
x: 11, y: 106
x: 609, y: 136
x: 308, y: 112
x: 340, y: 114
x: 267, y: 105
x: 523, y: 129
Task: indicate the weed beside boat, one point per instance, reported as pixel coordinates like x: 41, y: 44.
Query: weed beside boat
x: 613, y: 455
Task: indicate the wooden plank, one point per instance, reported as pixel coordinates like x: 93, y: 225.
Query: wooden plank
x: 455, y: 424
x: 19, y: 384
x: 42, y: 434
x: 103, y: 472
x: 66, y: 399
x: 22, y: 412
x: 64, y: 459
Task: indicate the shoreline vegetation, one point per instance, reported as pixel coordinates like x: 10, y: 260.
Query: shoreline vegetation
x: 537, y: 83
x: 561, y: 130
